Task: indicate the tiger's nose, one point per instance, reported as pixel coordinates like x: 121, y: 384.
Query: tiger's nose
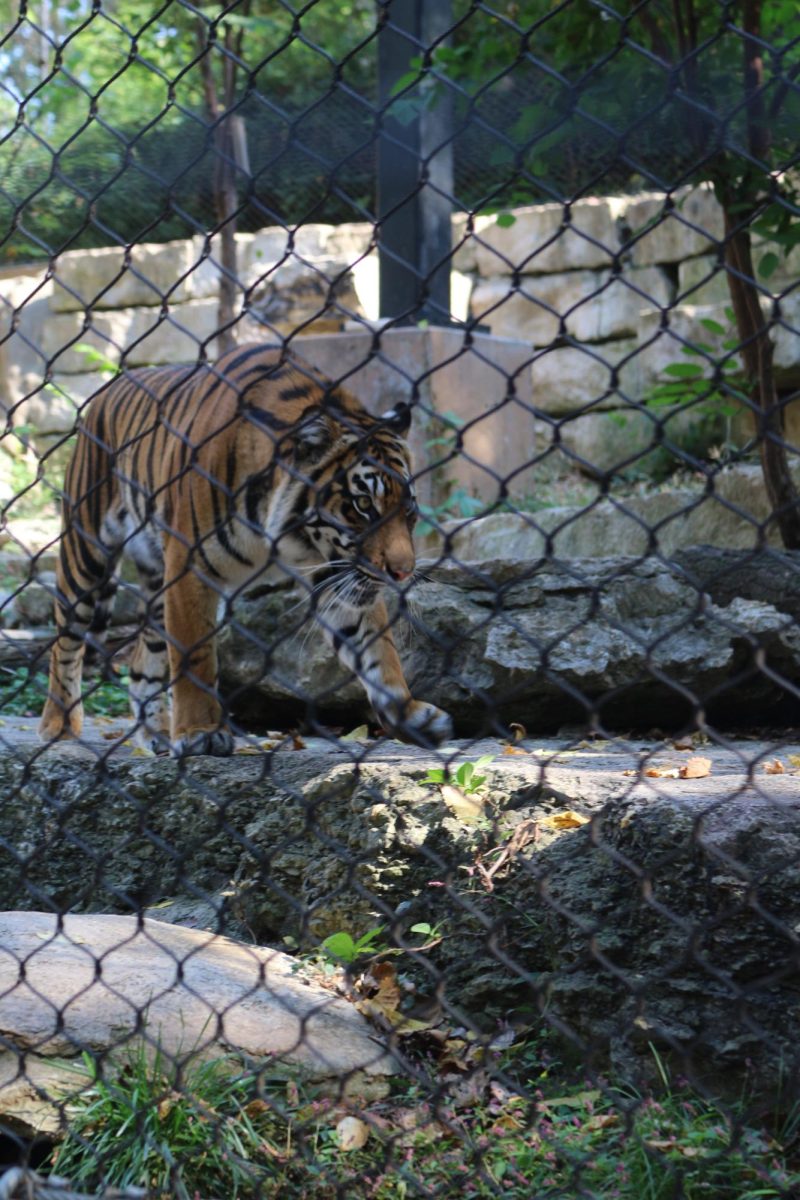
x: 398, y: 573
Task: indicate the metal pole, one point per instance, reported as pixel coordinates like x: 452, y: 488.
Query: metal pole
x: 415, y: 170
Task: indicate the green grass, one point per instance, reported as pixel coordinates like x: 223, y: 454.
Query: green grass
x: 216, y: 1131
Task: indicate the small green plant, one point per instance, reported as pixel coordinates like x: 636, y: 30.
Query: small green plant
x: 97, y: 361
x: 716, y: 402
x: 457, y: 502
x: 109, y: 698
x: 342, y: 947
x: 464, y: 777
x: 21, y: 693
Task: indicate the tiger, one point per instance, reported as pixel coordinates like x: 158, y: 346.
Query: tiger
x: 207, y: 476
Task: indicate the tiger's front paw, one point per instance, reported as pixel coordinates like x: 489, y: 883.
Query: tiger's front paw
x: 420, y: 723
x: 60, y: 722
x: 218, y: 742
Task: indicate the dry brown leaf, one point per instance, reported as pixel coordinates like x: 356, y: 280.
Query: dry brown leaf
x: 519, y: 731
x: 794, y: 761
x: 257, y: 1108
x: 297, y: 742
x: 509, y: 749
x: 601, y: 1120
x: 383, y: 977
x: 352, y: 1133
x: 683, y: 743
x: 677, y: 1147
x: 697, y: 767
x: 111, y: 735
x: 663, y: 772
x: 390, y: 1018
x: 564, y: 820
x: 774, y: 767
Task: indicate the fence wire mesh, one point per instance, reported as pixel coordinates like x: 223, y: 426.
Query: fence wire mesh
x: 399, y: 617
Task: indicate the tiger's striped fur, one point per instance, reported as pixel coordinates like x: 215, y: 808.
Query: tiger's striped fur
x: 206, y: 476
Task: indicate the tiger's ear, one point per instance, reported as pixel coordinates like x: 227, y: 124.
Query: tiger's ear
x: 398, y: 419
x: 313, y: 433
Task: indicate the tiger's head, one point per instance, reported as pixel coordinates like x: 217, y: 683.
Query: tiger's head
x: 361, y: 509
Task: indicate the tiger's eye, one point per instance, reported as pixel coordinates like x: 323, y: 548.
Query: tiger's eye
x: 364, y: 505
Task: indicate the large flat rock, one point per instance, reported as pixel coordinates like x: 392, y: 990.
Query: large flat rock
x: 94, y: 983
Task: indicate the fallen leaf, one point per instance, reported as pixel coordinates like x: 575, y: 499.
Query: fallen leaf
x: 794, y: 760
x: 775, y: 767
x: 601, y: 1120
x: 564, y: 820
x: 579, y: 1100
x: 359, y: 734
x: 519, y: 731
x: 697, y: 767
x: 683, y: 743
x: 297, y: 742
x: 468, y: 809
x: 663, y: 772
x: 111, y: 735
x: 257, y: 1108
x: 663, y: 1144
x: 390, y: 1018
x: 352, y: 1133
x: 382, y: 977
x: 509, y: 749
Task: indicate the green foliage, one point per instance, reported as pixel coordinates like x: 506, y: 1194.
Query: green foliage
x: 711, y: 386
x: 23, y: 692
x: 342, y: 947
x: 465, y: 776
x: 445, y: 446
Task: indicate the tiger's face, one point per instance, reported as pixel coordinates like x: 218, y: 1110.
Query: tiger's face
x: 363, y: 517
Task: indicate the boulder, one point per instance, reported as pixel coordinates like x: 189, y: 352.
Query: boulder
x: 626, y: 642
x: 78, y: 983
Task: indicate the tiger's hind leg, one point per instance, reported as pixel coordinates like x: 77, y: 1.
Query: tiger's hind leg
x: 149, y: 685
x: 85, y: 587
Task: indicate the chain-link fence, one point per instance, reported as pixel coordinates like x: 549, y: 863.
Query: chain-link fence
x: 399, y: 645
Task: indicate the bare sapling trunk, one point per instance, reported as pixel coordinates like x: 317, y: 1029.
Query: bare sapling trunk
x: 224, y: 185
x: 752, y: 325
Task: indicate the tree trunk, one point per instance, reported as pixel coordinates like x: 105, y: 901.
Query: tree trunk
x: 752, y: 327
x: 757, y: 354
x: 224, y: 186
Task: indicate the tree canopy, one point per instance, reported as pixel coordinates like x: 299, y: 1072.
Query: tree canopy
x: 105, y: 133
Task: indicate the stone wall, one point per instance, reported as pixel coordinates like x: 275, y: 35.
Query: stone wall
x: 605, y: 280
x: 626, y: 284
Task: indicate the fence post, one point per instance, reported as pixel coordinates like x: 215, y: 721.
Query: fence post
x: 415, y: 171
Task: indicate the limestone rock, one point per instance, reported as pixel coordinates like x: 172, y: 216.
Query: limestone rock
x: 84, y: 982
x: 653, y: 234
x: 541, y: 241
x: 592, y: 305
x: 731, y: 512
x: 537, y: 642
